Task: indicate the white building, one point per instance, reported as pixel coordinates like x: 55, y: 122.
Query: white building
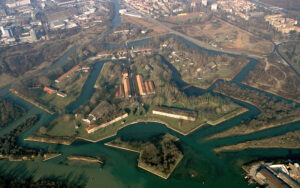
x: 6, y: 33
x: 58, y: 24
x: 214, y: 7
x: 122, y: 11
x: 204, y: 2
x: 12, y: 4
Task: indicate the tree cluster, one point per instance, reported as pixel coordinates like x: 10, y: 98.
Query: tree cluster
x: 6, y: 181
x: 161, y: 154
x: 272, y: 110
x: 9, y: 145
x: 9, y: 112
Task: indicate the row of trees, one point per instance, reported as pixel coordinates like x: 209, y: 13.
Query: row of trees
x: 29, y: 183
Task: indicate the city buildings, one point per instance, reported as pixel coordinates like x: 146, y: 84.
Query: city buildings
x: 241, y: 8
x: 157, y: 8
x: 282, y: 24
x: 214, y: 6
x: 22, y: 23
x: 14, y: 3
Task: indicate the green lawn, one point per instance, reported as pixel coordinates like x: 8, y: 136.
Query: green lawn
x: 72, y: 87
x: 62, y: 126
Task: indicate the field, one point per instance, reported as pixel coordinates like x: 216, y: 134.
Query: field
x: 113, y: 74
x: 72, y: 87
x: 62, y: 126
x: 272, y: 75
x: 201, y: 69
x: 222, y: 34
x: 209, y: 75
x: 144, y: 24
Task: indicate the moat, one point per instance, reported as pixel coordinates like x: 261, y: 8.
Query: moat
x: 200, y: 167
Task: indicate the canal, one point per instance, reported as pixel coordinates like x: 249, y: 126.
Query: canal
x: 120, y: 169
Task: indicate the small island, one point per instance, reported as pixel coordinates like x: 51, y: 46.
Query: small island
x: 85, y: 159
x: 159, y: 156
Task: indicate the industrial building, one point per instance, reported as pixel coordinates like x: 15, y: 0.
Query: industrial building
x: 269, y: 178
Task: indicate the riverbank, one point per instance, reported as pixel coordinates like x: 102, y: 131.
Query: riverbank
x: 45, y: 157
x: 51, y: 156
x: 268, y: 107
x: 123, y: 148
x: 50, y: 140
x: 289, y: 140
x: 238, y: 99
x: 69, y: 141
x: 244, y: 146
x: 230, y: 116
x: 274, y: 92
x: 233, y: 131
x: 155, y: 172
x: 85, y: 159
x: 32, y: 101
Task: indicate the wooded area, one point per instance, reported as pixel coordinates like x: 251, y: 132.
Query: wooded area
x: 9, y: 112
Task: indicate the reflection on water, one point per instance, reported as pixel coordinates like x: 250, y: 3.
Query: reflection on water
x: 200, y: 167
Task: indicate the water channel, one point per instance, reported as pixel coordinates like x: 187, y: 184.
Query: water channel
x: 120, y: 169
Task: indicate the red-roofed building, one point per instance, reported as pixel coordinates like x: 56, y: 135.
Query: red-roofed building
x: 151, y: 86
x: 141, y: 86
x: 49, y: 90
x: 67, y: 74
